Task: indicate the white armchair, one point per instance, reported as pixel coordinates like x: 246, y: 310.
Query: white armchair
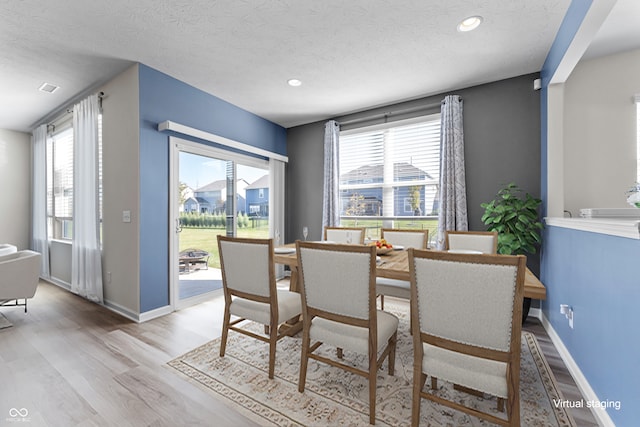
x: 6, y: 249
x: 19, y: 276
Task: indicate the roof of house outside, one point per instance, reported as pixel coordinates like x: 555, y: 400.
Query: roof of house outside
x: 400, y: 170
x: 262, y: 182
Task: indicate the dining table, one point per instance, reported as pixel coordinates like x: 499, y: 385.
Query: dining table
x: 394, y: 265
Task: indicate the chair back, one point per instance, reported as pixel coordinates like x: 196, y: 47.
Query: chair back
x: 481, y: 241
x: 470, y: 299
x: 247, y: 265
x: 337, y: 279
x: 408, y: 238
x: 342, y: 234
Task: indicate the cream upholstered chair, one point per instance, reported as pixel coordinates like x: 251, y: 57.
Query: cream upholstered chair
x: 19, y: 277
x: 480, y: 241
x: 339, y: 309
x: 249, y: 283
x: 344, y: 234
x: 408, y: 239
x: 455, y: 339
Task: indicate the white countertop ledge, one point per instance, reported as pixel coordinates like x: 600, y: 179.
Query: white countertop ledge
x: 629, y: 228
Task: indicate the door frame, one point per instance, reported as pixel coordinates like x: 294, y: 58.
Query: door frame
x: 177, y: 145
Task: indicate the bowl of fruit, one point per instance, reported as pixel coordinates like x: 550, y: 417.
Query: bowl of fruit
x: 382, y: 246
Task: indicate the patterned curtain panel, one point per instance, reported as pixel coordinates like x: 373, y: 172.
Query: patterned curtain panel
x: 86, y: 262
x: 453, y: 194
x: 39, y: 242
x: 331, y: 195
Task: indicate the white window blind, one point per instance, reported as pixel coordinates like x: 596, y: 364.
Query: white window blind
x: 381, y: 166
x: 60, y: 183
x: 60, y: 180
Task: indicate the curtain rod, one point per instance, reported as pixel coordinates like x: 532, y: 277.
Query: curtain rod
x: 388, y: 114
x: 101, y: 96
x: 59, y: 116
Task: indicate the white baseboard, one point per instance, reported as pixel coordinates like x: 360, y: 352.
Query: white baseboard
x: 152, y: 314
x: 600, y: 414
x: 121, y: 310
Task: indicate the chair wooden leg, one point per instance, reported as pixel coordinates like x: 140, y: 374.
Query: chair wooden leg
x: 419, y: 379
x: 266, y: 330
x: 373, y: 376
x: 273, y: 341
x: 304, y: 358
x: 339, y: 353
x: 500, y: 404
x: 434, y: 383
x: 381, y: 302
x: 225, y: 331
x: 392, y: 353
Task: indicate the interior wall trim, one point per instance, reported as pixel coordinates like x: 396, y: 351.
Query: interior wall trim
x: 168, y: 125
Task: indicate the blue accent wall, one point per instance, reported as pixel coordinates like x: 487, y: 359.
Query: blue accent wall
x: 165, y: 98
x: 594, y: 273
x: 598, y: 276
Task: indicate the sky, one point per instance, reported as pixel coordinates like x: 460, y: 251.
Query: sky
x: 197, y: 171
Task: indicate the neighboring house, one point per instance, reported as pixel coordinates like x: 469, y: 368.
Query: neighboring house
x: 368, y: 201
x: 185, y: 195
x: 258, y: 197
x: 213, y: 197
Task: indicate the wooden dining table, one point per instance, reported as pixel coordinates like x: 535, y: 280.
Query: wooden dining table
x: 395, y: 265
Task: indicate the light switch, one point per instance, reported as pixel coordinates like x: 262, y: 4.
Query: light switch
x: 126, y: 216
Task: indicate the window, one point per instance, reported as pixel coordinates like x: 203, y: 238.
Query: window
x: 60, y: 181
x: 389, y: 174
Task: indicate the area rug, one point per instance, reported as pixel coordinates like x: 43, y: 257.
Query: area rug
x: 4, y: 322
x: 335, y: 397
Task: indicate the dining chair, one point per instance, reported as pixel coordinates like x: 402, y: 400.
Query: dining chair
x: 481, y: 241
x: 339, y: 309
x: 344, y: 234
x: 249, y: 283
x: 466, y: 328
x: 408, y: 239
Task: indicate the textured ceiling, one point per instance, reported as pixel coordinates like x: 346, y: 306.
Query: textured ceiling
x: 350, y: 55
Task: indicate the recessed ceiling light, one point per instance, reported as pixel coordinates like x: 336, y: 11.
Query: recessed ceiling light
x: 294, y: 82
x: 470, y: 23
x: 48, y: 87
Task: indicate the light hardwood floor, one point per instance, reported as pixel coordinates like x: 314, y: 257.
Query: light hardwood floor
x: 70, y: 362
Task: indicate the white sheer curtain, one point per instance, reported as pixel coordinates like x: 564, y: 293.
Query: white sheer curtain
x: 276, y: 205
x: 86, y: 261
x: 39, y: 239
x: 453, y: 193
x: 331, y: 194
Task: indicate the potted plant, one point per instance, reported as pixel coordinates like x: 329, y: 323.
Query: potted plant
x: 515, y: 219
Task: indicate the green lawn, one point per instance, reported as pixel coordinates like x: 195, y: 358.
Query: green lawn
x: 206, y: 239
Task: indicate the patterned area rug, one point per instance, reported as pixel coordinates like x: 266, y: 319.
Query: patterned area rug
x: 4, y: 323
x: 336, y: 397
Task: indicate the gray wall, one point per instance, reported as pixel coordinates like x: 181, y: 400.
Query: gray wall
x: 15, y: 185
x: 502, y: 145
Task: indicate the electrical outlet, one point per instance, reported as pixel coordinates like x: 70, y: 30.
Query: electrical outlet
x: 570, y: 317
x: 108, y: 277
x: 568, y: 313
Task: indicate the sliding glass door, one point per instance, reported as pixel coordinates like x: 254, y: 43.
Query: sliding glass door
x: 213, y: 192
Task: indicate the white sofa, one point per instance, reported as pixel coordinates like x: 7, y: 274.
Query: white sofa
x: 6, y: 249
x: 19, y: 276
